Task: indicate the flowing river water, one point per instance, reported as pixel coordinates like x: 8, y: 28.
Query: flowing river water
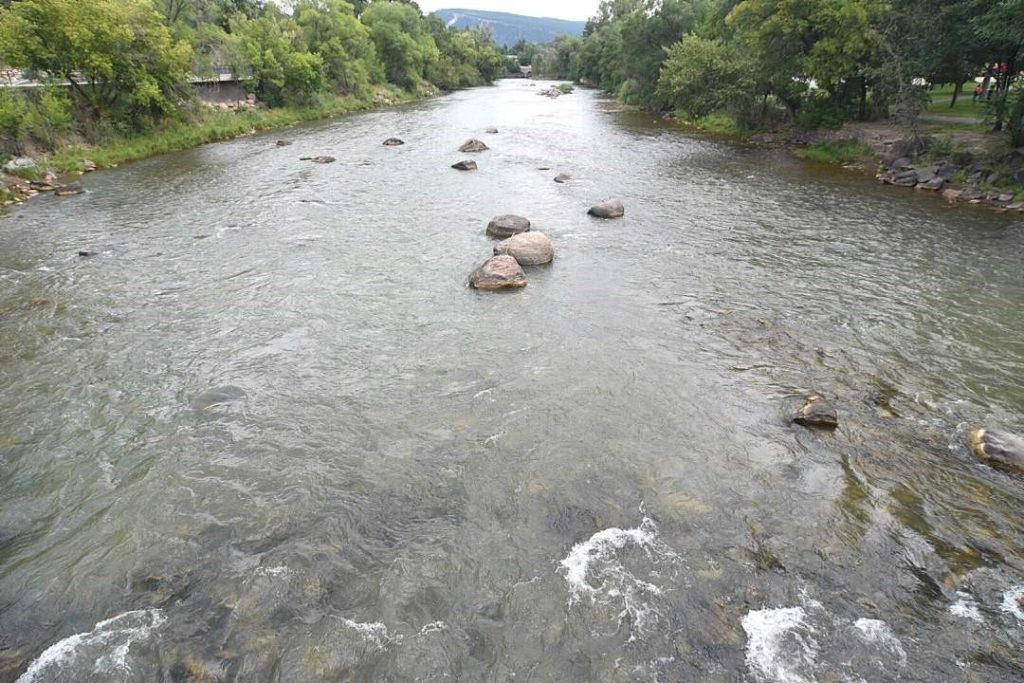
x: 267, y: 433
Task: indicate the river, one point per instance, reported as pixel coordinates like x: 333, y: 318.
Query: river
x: 267, y: 433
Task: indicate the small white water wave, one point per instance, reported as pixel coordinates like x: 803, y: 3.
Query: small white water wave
x: 102, y: 651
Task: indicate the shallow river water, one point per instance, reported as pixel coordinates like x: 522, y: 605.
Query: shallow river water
x: 267, y: 433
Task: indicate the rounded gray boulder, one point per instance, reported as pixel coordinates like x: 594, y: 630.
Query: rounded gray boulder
x: 498, y: 272
x: 612, y: 208
x: 505, y: 226
x: 528, y: 248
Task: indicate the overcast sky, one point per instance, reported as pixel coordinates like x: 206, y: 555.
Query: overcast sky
x: 560, y: 9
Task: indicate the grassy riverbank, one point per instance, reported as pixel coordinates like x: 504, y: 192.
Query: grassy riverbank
x: 206, y: 124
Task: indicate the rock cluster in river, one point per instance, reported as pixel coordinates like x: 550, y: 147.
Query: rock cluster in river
x: 899, y: 168
x: 16, y: 189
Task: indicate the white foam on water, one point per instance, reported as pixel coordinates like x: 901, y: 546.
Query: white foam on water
x: 594, y: 573
x: 375, y: 633
x: 1012, y: 602
x: 770, y: 657
x: 124, y: 629
x: 966, y: 608
x: 272, y: 571
x: 877, y: 632
x: 434, y: 627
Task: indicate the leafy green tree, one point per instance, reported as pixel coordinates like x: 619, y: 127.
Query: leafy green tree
x: 284, y: 71
x: 703, y: 76
x: 403, y: 42
x: 118, y: 55
x: 332, y: 31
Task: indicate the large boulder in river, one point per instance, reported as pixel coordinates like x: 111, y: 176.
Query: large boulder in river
x: 505, y: 226
x: 612, y: 208
x: 997, y: 448
x: 498, y: 272
x: 465, y: 165
x: 817, y: 412
x: 473, y: 145
x: 528, y: 248
x: 393, y: 142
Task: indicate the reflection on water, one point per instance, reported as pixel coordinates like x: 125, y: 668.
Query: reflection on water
x: 268, y: 434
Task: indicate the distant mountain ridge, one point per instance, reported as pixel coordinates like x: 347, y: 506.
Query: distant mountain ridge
x: 509, y: 29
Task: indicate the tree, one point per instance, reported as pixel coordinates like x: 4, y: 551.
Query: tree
x: 332, y: 31
x: 118, y: 55
x: 284, y: 71
x: 403, y: 42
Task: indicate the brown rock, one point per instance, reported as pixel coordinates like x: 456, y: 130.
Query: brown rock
x: 611, y: 208
x: 997, y: 448
x: 505, y: 226
x: 69, y: 190
x: 817, y: 412
x: 283, y: 143
x: 952, y: 195
x: 498, y: 272
x: 88, y: 166
x: 528, y: 248
x: 473, y: 145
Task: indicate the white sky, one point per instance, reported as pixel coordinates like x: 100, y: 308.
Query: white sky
x: 559, y: 9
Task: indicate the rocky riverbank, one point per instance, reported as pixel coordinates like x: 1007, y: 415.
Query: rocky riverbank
x: 961, y: 168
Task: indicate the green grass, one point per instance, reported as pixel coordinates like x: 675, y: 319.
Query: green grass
x: 714, y: 124
x: 941, y: 95
x: 566, y: 88
x: 841, y: 152
x: 209, y: 126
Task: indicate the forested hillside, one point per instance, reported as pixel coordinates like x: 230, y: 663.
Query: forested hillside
x: 509, y: 29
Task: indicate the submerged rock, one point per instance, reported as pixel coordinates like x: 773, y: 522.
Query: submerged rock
x: 393, y: 142
x: 528, y: 248
x: 283, y: 143
x: 507, y: 225
x: 998, y: 448
x: 492, y: 131
x: 498, y: 272
x: 473, y: 145
x: 465, y: 165
x: 611, y: 208
x: 69, y: 190
x: 817, y: 412
x: 322, y: 159
x: 563, y: 178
